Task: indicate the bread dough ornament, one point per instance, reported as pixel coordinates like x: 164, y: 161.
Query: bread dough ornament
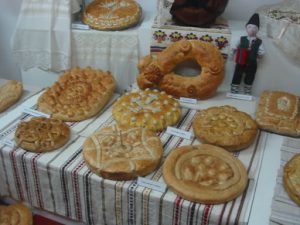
x: 78, y: 94
x: 122, y: 153
x: 151, y: 109
x: 205, y: 173
x: 157, y: 71
x: 199, y: 13
x: 112, y: 14
x: 10, y: 93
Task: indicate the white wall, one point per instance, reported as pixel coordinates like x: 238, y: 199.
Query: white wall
x: 243, y: 9
x: 9, y: 11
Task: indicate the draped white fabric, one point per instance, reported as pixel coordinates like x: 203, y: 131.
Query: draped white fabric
x: 116, y: 52
x: 44, y: 39
x: 281, y: 22
x: 43, y: 36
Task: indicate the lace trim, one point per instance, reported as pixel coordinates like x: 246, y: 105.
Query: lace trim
x: 56, y: 62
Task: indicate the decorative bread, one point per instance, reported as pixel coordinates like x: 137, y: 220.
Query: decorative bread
x: 226, y: 127
x: 205, y: 173
x: 158, y: 71
x: 112, y: 14
x: 15, y: 214
x: 150, y: 108
x: 122, y: 154
x: 10, y: 92
x: 78, y: 94
x: 42, y: 134
x: 278, y: 112
x: 291, y: 178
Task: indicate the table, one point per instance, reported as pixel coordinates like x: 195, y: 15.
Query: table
x: 61, y: 183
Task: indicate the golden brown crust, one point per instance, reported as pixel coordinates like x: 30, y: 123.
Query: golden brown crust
x: 291, y: 178
x: 112, y: 14
x: 205, y: 173
x: 278, y: 112
x: 122, y: 154
x: 226, y: 127
x: 78, y: 94
x: 15, y: 214
x: 150, y: 108
x: 42, y: 134
x: 10, y: 92
x: 157, y: 71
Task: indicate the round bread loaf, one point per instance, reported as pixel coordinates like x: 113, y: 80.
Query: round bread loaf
x: 42, y: 134
x: 15, y: 214
x: 204, y: 173
x: 151, y: 109
x: 10, y: 92
x: 78, y: 94
x: 158, y: 71
x: 226, y: 127
x: 112, y: 14
x: 291, y: 178
x: 122, y: 154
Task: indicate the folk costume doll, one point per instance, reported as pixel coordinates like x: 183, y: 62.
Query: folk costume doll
x: 248, y: 49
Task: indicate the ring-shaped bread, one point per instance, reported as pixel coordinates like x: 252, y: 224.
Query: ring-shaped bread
x: 157, y: 71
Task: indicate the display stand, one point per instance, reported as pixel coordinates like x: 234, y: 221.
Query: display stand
x: 263, y: 178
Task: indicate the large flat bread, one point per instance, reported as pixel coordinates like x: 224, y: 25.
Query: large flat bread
x: 150, y: 108
x: 205, y: 173
x: 42, y: 134
x: 278, y: 112
x: 15, y: 214
x: 112, y: 14
x: 10, y: 92
x: 226, y: 127
x: 291, y: 178
x: 122, y: 154
x: 78, y: 94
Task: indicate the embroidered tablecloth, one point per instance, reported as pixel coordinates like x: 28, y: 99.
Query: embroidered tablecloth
x: 60, y: 182
x: 284, y: 210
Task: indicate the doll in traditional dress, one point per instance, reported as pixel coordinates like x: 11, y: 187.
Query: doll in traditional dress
x: 247, y: 50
